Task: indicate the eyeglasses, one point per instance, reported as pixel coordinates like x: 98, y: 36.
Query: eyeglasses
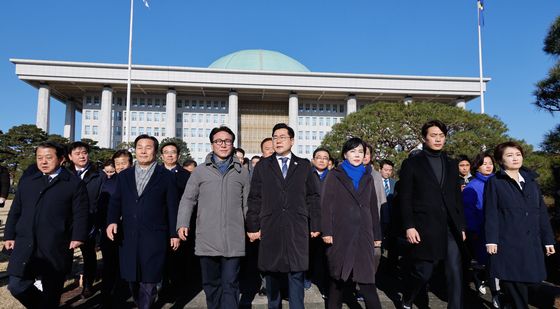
x: 170, y: 152
x: 220, y: 142
x: 280, y: 138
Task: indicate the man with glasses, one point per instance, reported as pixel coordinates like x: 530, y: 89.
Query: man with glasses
x: 284, y: 212
x: 145, y: 201
x: 219, y: 187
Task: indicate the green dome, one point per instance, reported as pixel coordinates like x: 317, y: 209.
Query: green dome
x: 258, y: 60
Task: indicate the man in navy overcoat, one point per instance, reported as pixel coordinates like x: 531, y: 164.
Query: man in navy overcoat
x: 47, y: 221
x: 145, y: 201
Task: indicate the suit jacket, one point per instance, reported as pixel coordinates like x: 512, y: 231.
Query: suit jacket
x: 148, y: 222
x: 518, y: 222
x: 350, y: 216
x: 93, y: 181
x: 429, y: 207
x: 284, y: 210
x: 44, y: 218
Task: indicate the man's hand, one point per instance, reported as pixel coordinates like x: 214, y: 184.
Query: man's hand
x: 315, y: 234
x: 550, y: 250
x: 183, y: 232
x: 111, y: 231
x: 74, y: 244
x: 9, y: 244
x: 174, y: 242
x: 254, y: 236
x: 492, y: 248
x: 328, y: 240
x: 2, y: 200
x: 412, y: 236
x: 377, y: 243
x: 464, y: 235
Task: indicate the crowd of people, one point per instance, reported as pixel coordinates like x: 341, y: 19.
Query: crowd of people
x: 275, y: 223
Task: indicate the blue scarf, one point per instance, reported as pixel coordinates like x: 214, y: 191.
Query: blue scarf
x: 354, y: 172
x: 222, y: 165
x: 323, y: 175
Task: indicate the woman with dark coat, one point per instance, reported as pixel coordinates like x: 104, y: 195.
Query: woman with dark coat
x: 350, y: 225
x: 484, y: 168
x: 517, y: 226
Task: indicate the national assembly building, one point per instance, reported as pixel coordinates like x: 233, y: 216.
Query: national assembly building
x: 248, y: 91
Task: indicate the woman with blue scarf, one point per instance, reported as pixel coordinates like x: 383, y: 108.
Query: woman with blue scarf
x: 473, y: 201
x: 350, y: 226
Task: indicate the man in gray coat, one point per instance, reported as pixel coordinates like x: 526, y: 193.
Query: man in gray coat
x: 220, y: 188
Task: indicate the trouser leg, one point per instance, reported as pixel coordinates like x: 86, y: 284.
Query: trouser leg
x: 296, y: 290
x: 211, y: 280
x: 24, y: 291
x: 420, y: 273
x: 454, y: 274
x: 273, y: 290
x: 371, y: 298
x: 230, y: 282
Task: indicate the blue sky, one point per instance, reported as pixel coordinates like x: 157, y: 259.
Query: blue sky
x: 377, y: 37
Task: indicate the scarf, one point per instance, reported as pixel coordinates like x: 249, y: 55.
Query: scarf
x: 322, y: 175
x: 354, y: 172
x: 222, y: 165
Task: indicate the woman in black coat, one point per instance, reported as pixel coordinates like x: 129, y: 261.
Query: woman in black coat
x: 517, y: 226
x: 350, y: 225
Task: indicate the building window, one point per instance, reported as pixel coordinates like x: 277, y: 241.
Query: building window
x: 134, y: 102
x: 306, y: 135
x: 133, y: 117
x: 149, y: 116
x: 321, y: 123
x: 140, y: 117
x: 156, y: 117
x: 216, y: 105
x: 215, y: 118
x: 95, y: 130
x: 300, y: 107
x: 193, y: 118
x: 207, y: 118
x: 222, y: 119
x: 96, y: 100
x: 157, y: 103
x: 208, y: 105
x: 162, y: 131
x: 200, y: 132
x: 88, y: 100
x: 88, y: 115
x: 314, y: 135
x: 95, y: 115
x: 207, y: 131
x: 328, y: 121
x: 178, y: 132
x: 300, y: 121
x: 299, y: 135
x: 341, y: 108
x: 156, y: 131
x: 193, y: 132
x: 179, y: 104
x: 313, y: 121
x: 201, y: 104
x: 306, y: 121
x: 87, y: 130
x: 321, y: 108
x: 307, y: 149
x: 118, y: 131
x: 321, y: 135
x: 140, y: 130
x: 223, y: 103
x: 314, y: 108
x: 201, y: 118
x: 149, y: 131
x: 163, y: 117
x: 179, y: 117
x: 299, y: 149
x: 149, y: 101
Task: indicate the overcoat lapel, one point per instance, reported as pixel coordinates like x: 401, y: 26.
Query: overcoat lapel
x: 275, y: 167
x: 292, y: 168
x: 349, y: 186
x: 153, y: 179
x: 131, y: 180
x: 428, y: 169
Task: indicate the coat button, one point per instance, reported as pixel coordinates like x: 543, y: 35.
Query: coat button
x: 526, y: 213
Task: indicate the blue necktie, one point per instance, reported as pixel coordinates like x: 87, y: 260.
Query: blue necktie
x: 387, y: 189
x: 284, y: 166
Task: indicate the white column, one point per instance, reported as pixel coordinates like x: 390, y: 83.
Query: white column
x: 233, y: 103
x: 293, y: 110
x: 105, y: 123
x: 171, y: 111
x: 70, y: 121
x: 460, y: 103
x: 351, y: 104
x: 43, y: 105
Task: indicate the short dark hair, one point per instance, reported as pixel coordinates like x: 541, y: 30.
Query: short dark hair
x: 240, y: 150
x: 221, y: 129
x: 321, y: 149
x: 146, y: 136
x: 255, y: 157
x: 122, y: 153
x: 434, y: 123
x: 170, y: 144
x: 351, y: 144
x: 59, y: 149
x: 499, y: 150
x: 370, y: 148
x: 463, y: 157
x: 109, y: 162
x: 189, y: 162
x: 386, y: 162
x: 279, y: 126
x: 78, y: 144
x: 479, y: 160
x: 264, y: 141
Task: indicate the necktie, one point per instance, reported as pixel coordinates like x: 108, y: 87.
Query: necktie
x: 522, y: 185
x: 47, y: 179
x: 79, y: 173
x: 387, y: 189
x: 284, y: 166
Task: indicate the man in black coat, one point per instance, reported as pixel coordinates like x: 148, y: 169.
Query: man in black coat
x: 432, y: 213
x: 78, y: 153
x: 178, y: 261
x: 4, y: 185
x: 47, y: 221
x: 283, y: 211
x: 145, y: 202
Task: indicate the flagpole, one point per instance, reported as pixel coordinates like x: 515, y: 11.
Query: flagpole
x: 128, y: 88
x: 480, y: 60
